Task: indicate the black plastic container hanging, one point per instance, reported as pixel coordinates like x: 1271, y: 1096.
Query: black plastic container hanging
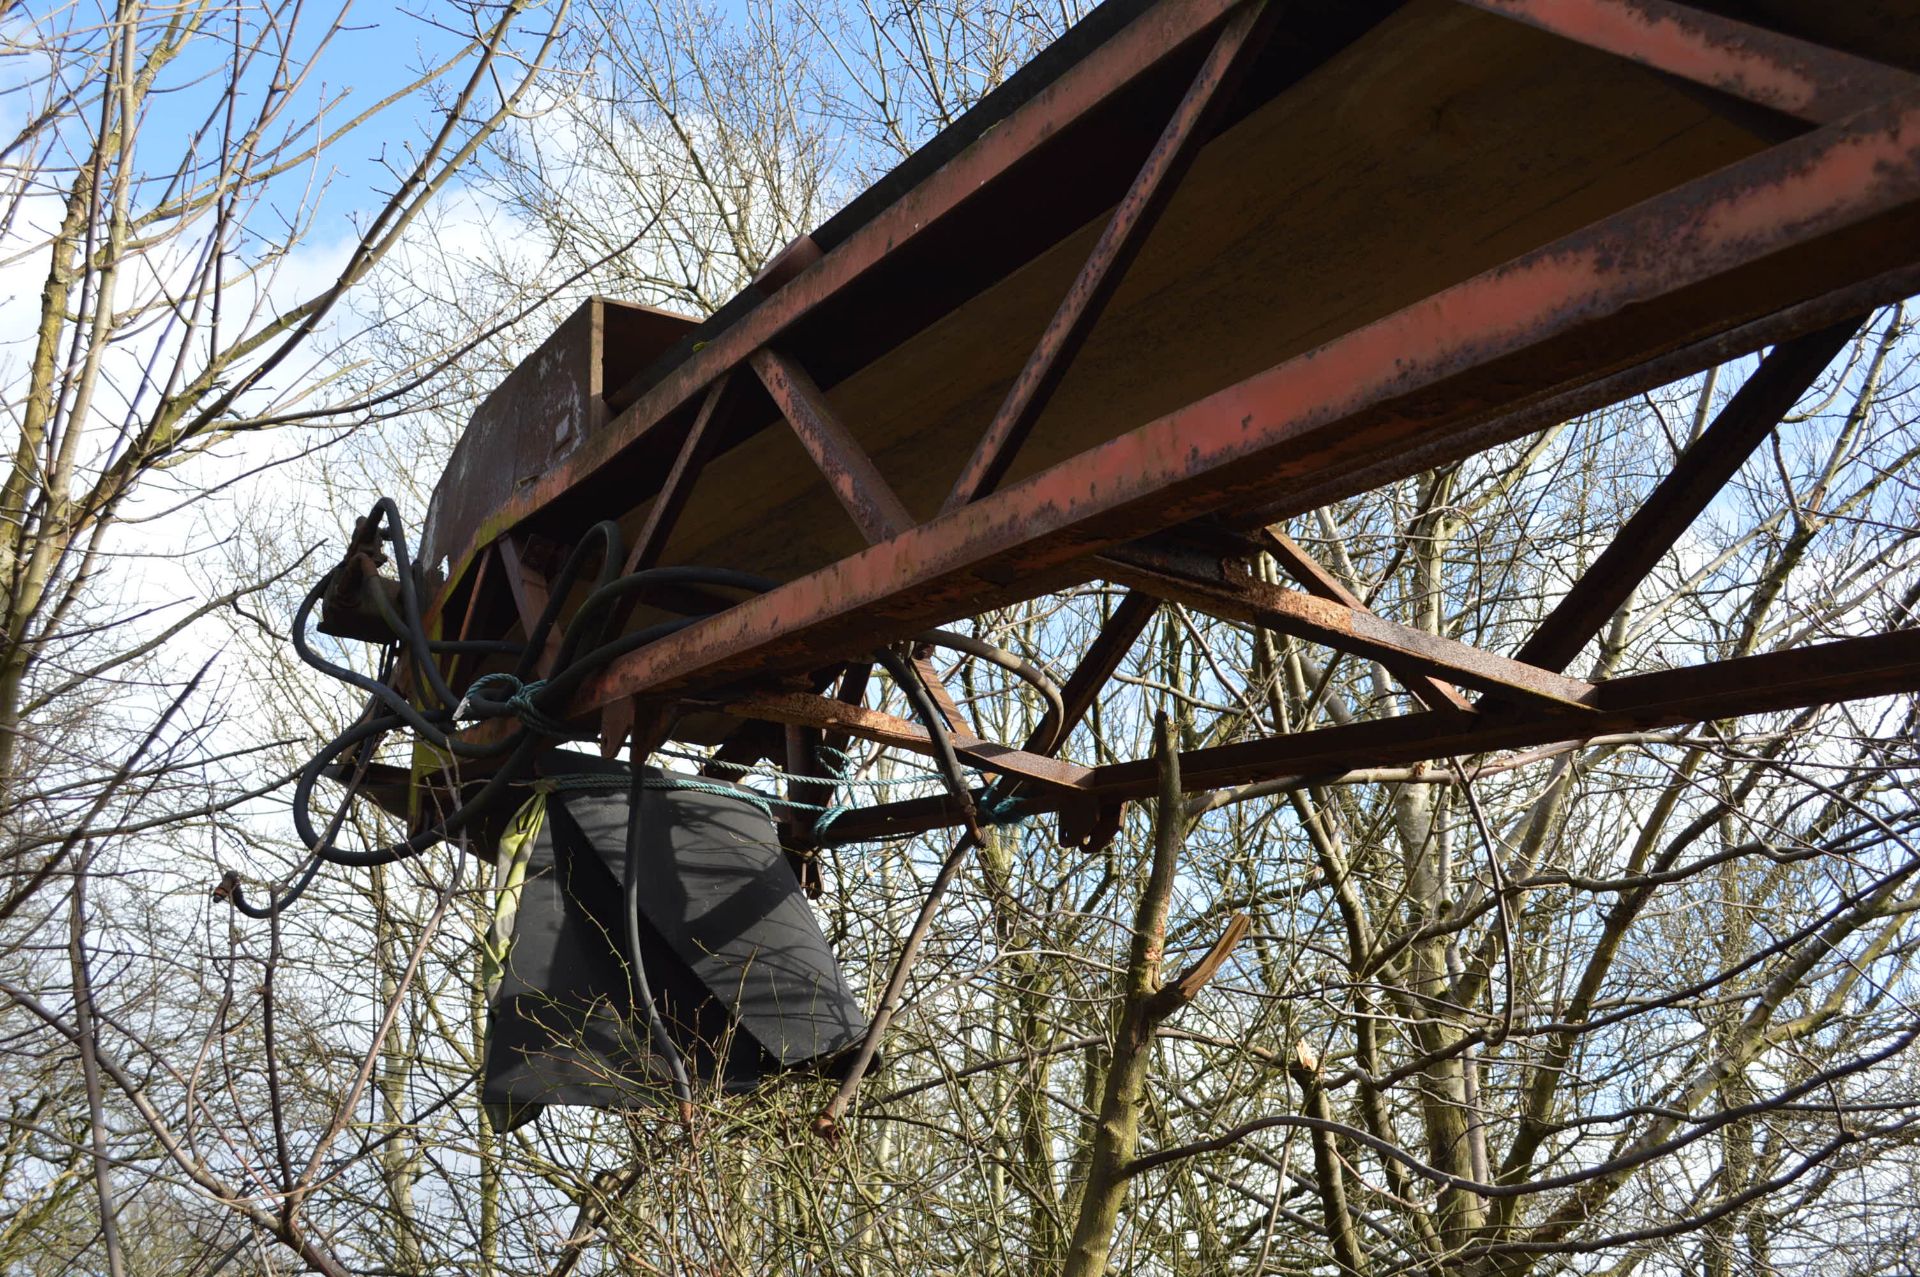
x: 741, y: 977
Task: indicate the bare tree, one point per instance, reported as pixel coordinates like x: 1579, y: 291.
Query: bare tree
x: 169, y: 213
x: 1639, y: 1003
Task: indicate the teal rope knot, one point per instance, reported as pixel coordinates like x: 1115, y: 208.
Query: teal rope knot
x: 519, y: 698
x: 998, y: 810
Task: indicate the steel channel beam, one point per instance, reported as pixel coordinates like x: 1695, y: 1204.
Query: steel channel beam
x: 942, y: 696
x: 1110, y: 646
x: 1316, y: 580
x: 1202, y: 580
x: 1697, y: 477
x: 1845, y: 669
x: 530, y: 596
x: 673, y: 494
x: 1537, y: 413
x: 1107, y: 264
x: 1792, y: 76
x: 1411, y: 385
x: 1881, y: 665
x: 798, y: 709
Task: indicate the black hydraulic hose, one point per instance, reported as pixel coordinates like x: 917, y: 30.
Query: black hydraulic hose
x: 416, y: 719
x: 414, y: 633
x: 611, y: 592
x: 410, y: 630
x: 541, y: 704
x: 585, y: 629
x: 553, y: 696
x: 279, y: 902
x: 1025, y: 671
x: 643, y: 992
x: 550, y: 699
x: 445, y: 647
x: 276, y: 904
x: 909, y: 681
x: 929, y: 714
x: 525, y: 746
x: 607, y: 532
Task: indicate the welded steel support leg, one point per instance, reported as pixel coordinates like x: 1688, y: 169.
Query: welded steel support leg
x: 1089, y: 825
x: 1122, y: 628
x: 937, y: 688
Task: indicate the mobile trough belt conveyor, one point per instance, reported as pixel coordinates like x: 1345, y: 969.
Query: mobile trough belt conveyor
x: 1201, y: 266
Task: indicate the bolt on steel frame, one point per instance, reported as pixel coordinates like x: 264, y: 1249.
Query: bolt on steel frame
x: 1790, y: 246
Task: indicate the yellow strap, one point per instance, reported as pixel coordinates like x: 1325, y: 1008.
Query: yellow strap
x: 509, y: 875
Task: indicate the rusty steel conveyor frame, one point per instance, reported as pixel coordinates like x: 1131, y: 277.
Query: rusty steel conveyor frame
x: 1813, y: 231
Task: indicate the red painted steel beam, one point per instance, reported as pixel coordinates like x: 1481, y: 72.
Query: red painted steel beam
x: 461, y: 665
x: 848, y: 470
x: 1412, y: 385
x: 1846, y: 669
x: 1697, y: 477
x: 673, y: 494
x: 1102, y: 657
x: 1764, y: 67
x: 1120, y: 241
x: 530, y: 596
x: 1117, y: 635
x: 1204, y: 581
x: 942, y: 697
x: 1511, y: 421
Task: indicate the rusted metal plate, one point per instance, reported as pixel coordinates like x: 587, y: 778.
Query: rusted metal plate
x: 544, y: 411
